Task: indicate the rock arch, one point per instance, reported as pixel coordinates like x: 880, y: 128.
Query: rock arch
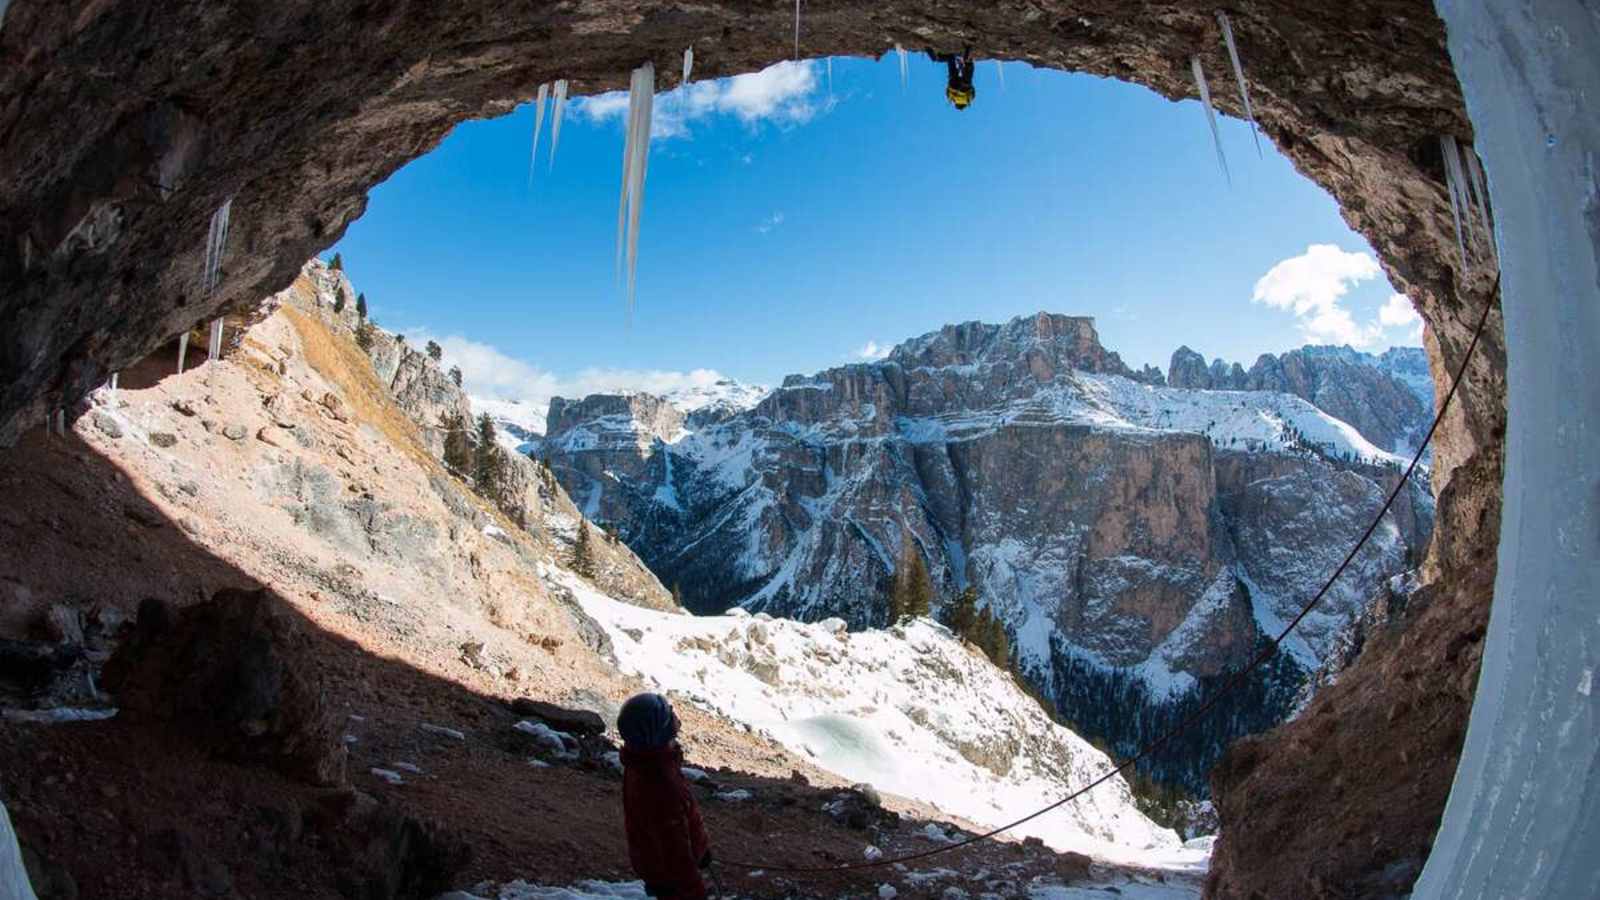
x: 123, y: 125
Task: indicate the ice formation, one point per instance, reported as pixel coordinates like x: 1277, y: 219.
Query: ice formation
x: 183, y: 349
x: 1000, y: 69
x: 1238, y: 75
x: 538, y: 123
x: 688, y: 65
x: 905, y: 66
x: 830, y: 76
x: 1480, y: 191
x: 1452, y: 181
x: 796, y: 29
x: 635, y: 160
x: 214, y: 345
x: 555, y: 119
x: 216, y: 244
x: 1211, y: 114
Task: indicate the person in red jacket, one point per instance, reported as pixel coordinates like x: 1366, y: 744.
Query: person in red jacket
x: 667, y: 843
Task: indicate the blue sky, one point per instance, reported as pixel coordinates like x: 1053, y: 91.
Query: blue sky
x: 789, y: 227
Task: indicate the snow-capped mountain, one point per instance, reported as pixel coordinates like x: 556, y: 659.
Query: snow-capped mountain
x: 1137, y: 540
x: 910, y: 710
x: 520, y: 425
x: 1387, y: 398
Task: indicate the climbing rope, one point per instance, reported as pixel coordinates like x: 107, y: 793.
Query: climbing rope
x: 1232, y: 684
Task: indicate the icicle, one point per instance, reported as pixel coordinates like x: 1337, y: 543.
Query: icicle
x: 214, y: 348
x: 1480, y: 189
x: 1000, y: 69
x: 905, y: 66
x: 635, y: 162
x: 555, y: 120
x: 1452, y: 182
x: 216, y: 246
x: 61, y: 422
x: 830, y: 76
x: 796, y: 29
x: 1238, y: 75
x: 1211, y: 115
x: 113, y: 382
x: 183, y: 349
x: 688, y: 66
x: 538, y: 124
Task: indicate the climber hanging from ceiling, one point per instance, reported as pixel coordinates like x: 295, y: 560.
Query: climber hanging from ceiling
x: 958, y: 88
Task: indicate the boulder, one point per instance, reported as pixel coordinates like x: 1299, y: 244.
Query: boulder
x: 240, y: 675
x: 573, y: 721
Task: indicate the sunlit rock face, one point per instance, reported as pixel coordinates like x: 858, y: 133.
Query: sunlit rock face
x: 123, y: 126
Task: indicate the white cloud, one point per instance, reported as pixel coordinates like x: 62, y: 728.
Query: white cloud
x: 1398, y: 312
x: 1313, y: 285
x: 488, y: 373
x: 770, y: 222
x: 784, y: 94
x: 873, y: 350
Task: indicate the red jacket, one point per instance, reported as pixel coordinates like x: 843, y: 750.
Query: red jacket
x: 666, y: 837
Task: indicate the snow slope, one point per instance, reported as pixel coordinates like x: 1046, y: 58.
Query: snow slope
x: 909, y: 710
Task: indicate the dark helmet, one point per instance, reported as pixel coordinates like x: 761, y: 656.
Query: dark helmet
x: 647, y: 721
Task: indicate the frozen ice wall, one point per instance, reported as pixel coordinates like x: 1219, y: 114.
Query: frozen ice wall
x: 1524, y: 816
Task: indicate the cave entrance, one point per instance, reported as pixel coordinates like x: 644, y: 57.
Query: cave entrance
x: 325, y: 99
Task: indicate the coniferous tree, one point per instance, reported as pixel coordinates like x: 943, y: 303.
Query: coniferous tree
x: 339, y: 300
x: 338, y: 263
x: 457, y: 445
x: 962, y: 616
x: 582, y: 553
x: 361, y: 306
x: 487, y: 463
x: 455, y: 375
x: 365, y: 333
x: 912, y: 588
x: 435, y: 352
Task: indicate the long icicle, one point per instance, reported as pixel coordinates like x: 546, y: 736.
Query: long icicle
x: 627, y: 156
x: 216, y: 245
x: 1238, y: 75
x: 214, y: 345
x: 830, y: 76
x: 183, y: 349
x: 1452, y: 182
x: 1480, y: 188
x: 538, y: 124
x: 905, y: 67
x: 555, y: 120
x: 688, y: 66
x: 644, y: 85
x: 1211, y: 115
x: 1000, y: 69
x: 796, y: 29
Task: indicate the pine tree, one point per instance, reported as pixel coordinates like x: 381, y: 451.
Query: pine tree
x: 582, y: 553
x: 339, y: 300
x: 455, y: 375
x: 365, y: 333
x: 487, y: 462
x: 457, y: 445
x: 912, y: 589
x: 338, y: 263
x: 361, y: 306
x: 435, y: 352
x: 962, y: 616
x: 992, y: 639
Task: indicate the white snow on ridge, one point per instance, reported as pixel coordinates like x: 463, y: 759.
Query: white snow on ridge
x: 910, y: 710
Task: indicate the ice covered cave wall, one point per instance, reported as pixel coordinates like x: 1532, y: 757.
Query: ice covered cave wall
x: 1523, y: 818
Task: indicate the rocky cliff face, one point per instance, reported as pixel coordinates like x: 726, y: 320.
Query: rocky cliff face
x: 524, y: 491
x: 1388, y: 398
x: 1123, y: 531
